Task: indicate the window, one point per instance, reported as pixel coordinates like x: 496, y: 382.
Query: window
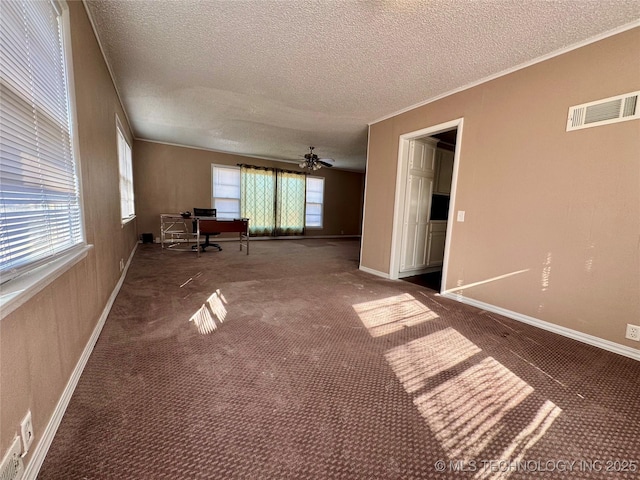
x: 226, y: 191
x: 273, y: 200
x: 40, y: 205
x: 290, y: 203
x: 315, y: 200
x: 127, y: 205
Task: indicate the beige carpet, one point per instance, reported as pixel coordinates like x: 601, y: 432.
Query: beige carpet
x: 290, y: 363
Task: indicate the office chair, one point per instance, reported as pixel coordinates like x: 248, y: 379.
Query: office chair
x: 206, y: 212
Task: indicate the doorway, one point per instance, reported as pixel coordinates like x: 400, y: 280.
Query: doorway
x: 424, y: 232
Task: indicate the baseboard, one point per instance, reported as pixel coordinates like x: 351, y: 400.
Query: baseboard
x: 551, y: 327
x: 255, y: 239
x: 297, y: 237
x: 377, y: 273
x: 422, y: 271
x: 42, y: 447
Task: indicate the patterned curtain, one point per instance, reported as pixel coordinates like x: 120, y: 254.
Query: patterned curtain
x: 258, y: 192
x: 290, y: 203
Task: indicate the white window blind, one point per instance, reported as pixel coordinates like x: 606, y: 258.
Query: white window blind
x: 127, y: 204
x: 226, y: 191
x: 39, y: 193
x: 315, y: 201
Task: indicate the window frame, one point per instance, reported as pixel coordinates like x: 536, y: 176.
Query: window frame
x: 125, y: 181
x: 34, y: 277
x: 213, y: 192
x: 307, y: 203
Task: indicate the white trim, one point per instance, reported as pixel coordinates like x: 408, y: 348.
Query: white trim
x: 508, y: 71
x: 398, y: 206
x: 578, y: 113
x: 73, y: 110
x: 120, y: 132
x: 236, y: 154
x: 212, y: 182
x: 306, y: 190
x: 120, y: 127
x: 289, y: 237
x: 420, y: 271
x: 396, y: 226
x: 364, y: 195
x: 108, y: 65
x: 42, y: 447
x: 607, y: 345
x: 453, y: 195
x: 18, y: 291
x: 260, y: 239
x: 206, y: 149
x: 377, y: 273
x: 124, y: 221
x: 299, y: 237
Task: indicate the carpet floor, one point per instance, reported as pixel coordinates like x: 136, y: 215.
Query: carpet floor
x: 290, y: 363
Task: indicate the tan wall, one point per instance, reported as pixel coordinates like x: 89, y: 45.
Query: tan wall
x: 170, y: 179
x: 563, y: 206
x: 42, y: 341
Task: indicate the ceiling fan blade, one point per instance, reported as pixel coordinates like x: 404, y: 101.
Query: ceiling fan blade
x: 324, y: 163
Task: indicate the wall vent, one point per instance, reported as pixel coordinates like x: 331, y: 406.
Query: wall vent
x: 603, y: 112
x: 12, y: 467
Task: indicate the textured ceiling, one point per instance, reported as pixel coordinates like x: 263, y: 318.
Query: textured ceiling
x: 268, y: 78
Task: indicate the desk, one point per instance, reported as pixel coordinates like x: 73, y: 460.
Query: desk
x: 217, y: 225
x: 177, y: 232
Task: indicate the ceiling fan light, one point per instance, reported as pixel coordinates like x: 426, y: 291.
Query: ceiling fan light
x: 313, y: 162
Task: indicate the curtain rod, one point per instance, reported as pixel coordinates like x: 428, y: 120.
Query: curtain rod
x: 270, y: 169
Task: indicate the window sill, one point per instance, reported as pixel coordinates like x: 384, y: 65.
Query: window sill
x: 18, y: 291
x: 124, y: 221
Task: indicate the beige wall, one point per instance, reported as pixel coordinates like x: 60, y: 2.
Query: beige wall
x: 563, y: 206
x: 41, y: 342
x: 171, y: 179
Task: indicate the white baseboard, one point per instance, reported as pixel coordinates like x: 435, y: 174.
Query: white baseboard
x: 286, y: 237
x: 42, y: 447
x: 422, y: 271
x: 296, y: 237
x: 630, y: 352
x: 377, y: 273
x: 254, y: 239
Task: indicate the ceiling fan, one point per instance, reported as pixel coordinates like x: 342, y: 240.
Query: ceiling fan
x: 313, y: 162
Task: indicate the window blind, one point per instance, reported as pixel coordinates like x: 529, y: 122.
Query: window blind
x: 315, y: 200
x: 226, y: 191
x: 39, y: 193
x: 127, y: 204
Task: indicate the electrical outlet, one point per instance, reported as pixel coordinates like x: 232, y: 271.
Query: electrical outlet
x: 633, y: 332
x: 26, y: 428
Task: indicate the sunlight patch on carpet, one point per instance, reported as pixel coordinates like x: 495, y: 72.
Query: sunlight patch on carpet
x: 213, y: 309
x: 388, y: 315
x: 417, y: 361
x: 467, y: 400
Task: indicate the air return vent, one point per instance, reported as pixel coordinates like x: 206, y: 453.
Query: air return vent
x: 12, y: 467
x: 605, y: 111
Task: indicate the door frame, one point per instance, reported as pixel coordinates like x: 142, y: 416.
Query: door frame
x: 401, y: 181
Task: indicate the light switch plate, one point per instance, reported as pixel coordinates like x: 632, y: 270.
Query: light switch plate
x: 461, y: 215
